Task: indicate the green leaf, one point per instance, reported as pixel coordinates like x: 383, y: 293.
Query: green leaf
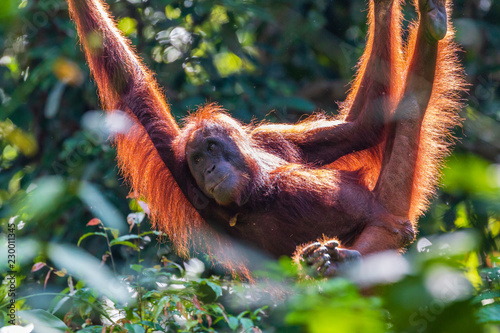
x: 125, y: 243
x: 10, y: 153
x: 260, y: 310
x: 157, y: 233
x: 137, y: 268
x: 159, y: 307
x: 149, y: 324
x: 115, y: 233
x: 247, y: 324
x: 43, y: 320
x: 90, y: 234
x: 489, y: 314
x: 101, y: 207
x: 486, y: 295
x: 127, y: 25
x: 233, y: 323
x: 242, y: 314
x: 134, y: 328
x: 172, y: 13
x: 54, y: 100
x: 84, y: 266
x: 216, y: 288
x: 227, y: 63
x: 48, y: 194
x: 479, y: 181
x: 8, y: 10
x: 126, y: 237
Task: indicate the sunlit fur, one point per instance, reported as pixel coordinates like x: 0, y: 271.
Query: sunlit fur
x: 440, y: 117
x: 138, y: 158
x: 370, y: 160
x: 124, y: 83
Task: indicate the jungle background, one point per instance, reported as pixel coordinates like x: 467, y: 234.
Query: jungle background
x: 86, y: 257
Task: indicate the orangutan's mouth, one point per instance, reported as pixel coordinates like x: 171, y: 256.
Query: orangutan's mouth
x: 213, y: 187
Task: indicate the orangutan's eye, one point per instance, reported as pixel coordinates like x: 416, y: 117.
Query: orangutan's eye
x: 211, y: 147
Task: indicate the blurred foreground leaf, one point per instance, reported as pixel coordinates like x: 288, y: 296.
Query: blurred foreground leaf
x: 44, y: 322
x: 85, y: 267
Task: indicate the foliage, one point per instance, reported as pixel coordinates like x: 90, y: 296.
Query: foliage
x: 290, y: 57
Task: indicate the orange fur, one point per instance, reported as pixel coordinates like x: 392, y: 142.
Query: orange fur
x: 152, y: 154
x: 143, y: 168
x: 134, y: 89
x: 138, y: 158
x: 370, y: 160
x: 440, y: 117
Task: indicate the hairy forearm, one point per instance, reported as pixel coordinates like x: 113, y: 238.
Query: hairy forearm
x: 322, y: 142
x: 122, y: 79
